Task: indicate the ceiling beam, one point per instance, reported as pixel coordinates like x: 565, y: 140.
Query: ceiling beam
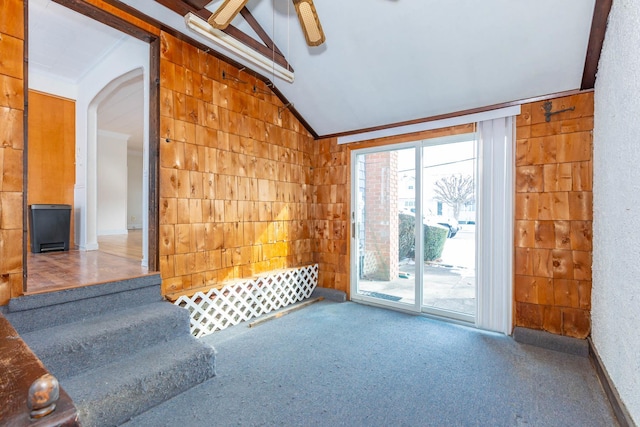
x: 246, y: 14
x: 596, y: 39
x: 182, y: 7
x: 198, y: 4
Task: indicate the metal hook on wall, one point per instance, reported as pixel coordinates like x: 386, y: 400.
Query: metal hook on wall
x: 281, y: 109
x: 264, y: 92
x: 225, y: 76
x: 548, y: 106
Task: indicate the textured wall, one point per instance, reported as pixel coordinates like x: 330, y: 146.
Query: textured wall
x: 553, y: 205
x: 11, y: 147
x: 331, y: 213
x: 616, y: 254
x: 235, y: 175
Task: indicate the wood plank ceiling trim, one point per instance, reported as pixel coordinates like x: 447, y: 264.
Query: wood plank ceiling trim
x: 458, y: 113
x: 182, y: 7
x: 107, y: 18
x: 197, y: 4
x: 596, y: 39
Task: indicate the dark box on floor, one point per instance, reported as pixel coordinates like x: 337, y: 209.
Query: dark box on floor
x: 49, y: 226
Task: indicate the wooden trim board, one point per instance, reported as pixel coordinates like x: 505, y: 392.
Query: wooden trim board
x: 596, y: 39
x: 285, y: 311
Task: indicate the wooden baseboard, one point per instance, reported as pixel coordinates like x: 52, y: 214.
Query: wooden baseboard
x: 619, y: 409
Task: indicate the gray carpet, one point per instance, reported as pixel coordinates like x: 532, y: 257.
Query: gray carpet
x: 334, y: 364
x: 99, y: 341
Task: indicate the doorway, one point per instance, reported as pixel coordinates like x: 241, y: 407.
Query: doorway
x: 414, y: 249
x: 478, y: 258
x: 105, y: 74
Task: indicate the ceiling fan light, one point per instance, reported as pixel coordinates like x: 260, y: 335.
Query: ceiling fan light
x: 309, y: 22
x: 222, y: 17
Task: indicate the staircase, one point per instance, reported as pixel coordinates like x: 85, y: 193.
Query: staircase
x: 117, y: 349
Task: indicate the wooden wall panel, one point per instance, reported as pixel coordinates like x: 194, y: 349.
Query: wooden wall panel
x: 553, y: 214
x: 554, y: 201
x: 234, y: 175
x: 11, y: 147
x: 51, y: 170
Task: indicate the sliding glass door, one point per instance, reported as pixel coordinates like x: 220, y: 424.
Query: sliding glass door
x: 413, y: 226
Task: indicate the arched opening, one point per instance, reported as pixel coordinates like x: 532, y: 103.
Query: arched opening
x: 112, y: 141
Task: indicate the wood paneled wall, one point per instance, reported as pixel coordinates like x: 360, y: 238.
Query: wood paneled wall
x: 235, y: 175
x: 11, y: 147
x: 331, y: 207
x: 553, y: 219
x: 553, y: 216
x: 51, y: 168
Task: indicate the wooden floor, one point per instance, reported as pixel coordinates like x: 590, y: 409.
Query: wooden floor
x: 119, y: 257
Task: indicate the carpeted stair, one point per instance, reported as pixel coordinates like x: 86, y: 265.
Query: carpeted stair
x: 118, y: 349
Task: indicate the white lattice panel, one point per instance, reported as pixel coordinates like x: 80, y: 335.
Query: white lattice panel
x: 237, y: 302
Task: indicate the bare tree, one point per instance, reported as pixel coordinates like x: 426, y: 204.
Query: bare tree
x: 455, y: 190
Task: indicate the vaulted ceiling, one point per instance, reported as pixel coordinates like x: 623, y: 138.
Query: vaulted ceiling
x: 393, y: 61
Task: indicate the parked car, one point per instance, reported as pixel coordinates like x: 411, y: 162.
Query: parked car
x: 442, y: 220
x: 450, y: 223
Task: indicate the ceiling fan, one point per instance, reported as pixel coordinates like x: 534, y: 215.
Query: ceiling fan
x: 305, y: 9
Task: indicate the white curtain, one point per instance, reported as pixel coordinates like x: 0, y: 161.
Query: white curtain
x: 495, y: 224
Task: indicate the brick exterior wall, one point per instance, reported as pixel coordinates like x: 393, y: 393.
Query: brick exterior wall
x: 553, y: 222
x: 11, y: 147
x: 381, y: 207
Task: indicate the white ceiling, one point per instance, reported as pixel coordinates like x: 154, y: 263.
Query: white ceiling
x: 389, y: 61
x: 65, y: 46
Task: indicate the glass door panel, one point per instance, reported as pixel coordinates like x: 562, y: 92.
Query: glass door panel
x: 385, y: 228
x: 448, y: 202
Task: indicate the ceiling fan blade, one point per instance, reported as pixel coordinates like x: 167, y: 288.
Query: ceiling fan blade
x: 222, y: 17
x: 309, y: 22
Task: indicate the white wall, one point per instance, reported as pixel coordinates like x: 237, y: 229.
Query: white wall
x: 130, y: 57
x: 134, y: 190
x: 48, y: 84
x: 616, y: 223
x: 112, y: 183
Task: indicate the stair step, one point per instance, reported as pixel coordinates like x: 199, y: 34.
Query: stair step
x: 72, y: 348
x: 112, y: 394
x: 33, y: 312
